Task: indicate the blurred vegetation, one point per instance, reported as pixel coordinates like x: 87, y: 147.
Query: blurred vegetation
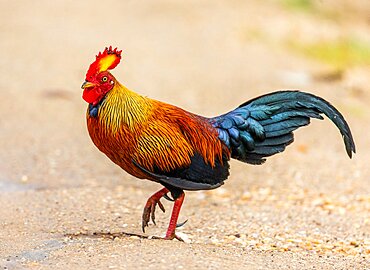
x: 341, y: 53
x: 301, y: 5
x: 314, y: 7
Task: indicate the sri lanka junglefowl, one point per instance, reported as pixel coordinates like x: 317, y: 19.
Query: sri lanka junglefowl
x: 180, y: 150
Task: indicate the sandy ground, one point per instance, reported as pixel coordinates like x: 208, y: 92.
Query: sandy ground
x: 64, y: 205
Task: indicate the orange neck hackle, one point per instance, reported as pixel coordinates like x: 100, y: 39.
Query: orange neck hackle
x: 124, y: 107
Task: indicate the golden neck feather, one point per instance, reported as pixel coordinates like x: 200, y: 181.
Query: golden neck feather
x: 124, y: 107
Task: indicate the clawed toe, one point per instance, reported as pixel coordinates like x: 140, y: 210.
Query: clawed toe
x: 149, y: 212
x: 149, y: 209
x: 168, y: 198
x: 178, y: 225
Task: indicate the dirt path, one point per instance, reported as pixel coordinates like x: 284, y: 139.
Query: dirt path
x: 63, y: 205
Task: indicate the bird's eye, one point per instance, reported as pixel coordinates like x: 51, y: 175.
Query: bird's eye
x: 104, y: 79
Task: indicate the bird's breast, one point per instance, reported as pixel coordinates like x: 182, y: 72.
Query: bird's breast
x: 119, y: 145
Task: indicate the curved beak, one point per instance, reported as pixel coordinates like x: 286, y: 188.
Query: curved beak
x: 87, y: 84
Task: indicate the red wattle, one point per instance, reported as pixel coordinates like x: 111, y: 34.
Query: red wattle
x: 91, y: 96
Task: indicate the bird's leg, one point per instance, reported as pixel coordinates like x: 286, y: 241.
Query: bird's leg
x: 175, y: 215
x: 149, y: 209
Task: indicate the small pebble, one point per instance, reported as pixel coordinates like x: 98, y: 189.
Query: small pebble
x: 24, y: 178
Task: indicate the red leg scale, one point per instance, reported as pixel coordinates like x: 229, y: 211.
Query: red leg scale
x: 175, y: 215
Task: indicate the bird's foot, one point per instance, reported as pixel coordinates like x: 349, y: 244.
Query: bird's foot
x: 174, y: 236
x: 149, y: 213
x: 149, y: 209
x: 170, y: 237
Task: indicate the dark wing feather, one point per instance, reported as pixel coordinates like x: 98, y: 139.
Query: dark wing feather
x: 198, y: 176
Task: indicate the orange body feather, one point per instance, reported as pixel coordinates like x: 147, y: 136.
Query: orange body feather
x: 130, y: 127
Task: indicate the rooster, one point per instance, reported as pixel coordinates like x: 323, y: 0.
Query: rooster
x: 180, y: 150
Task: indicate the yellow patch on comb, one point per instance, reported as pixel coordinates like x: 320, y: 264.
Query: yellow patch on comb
x: 107, y: 60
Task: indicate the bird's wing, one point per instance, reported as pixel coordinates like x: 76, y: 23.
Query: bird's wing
x: 169, y: 151
x: 264, y: 126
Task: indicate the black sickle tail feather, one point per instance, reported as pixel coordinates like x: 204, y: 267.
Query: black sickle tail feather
x: 264, y: 126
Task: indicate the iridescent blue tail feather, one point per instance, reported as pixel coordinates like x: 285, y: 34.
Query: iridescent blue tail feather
x: 264, y: 126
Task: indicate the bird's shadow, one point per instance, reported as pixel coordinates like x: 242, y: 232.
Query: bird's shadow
x: 105, y: 235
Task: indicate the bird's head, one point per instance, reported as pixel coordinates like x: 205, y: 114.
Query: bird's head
x: 99, y: 81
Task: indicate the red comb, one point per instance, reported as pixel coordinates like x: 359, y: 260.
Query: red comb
x: 107, y: 60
